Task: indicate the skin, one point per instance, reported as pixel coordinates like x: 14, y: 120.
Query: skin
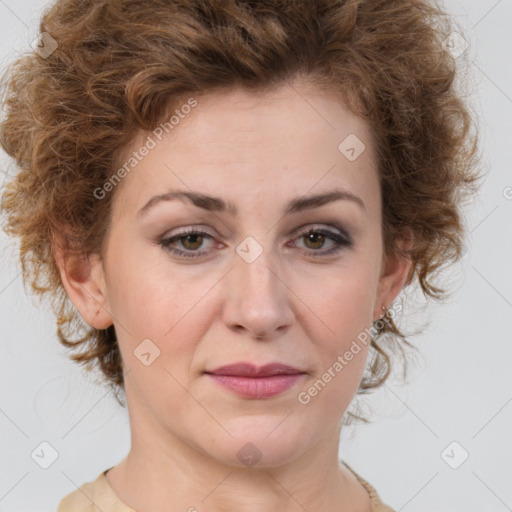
x: 258, y: 151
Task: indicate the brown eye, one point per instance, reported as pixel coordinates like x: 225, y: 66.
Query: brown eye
x: 314, y: 240
x: 191, y: 242
x: 322, y: 242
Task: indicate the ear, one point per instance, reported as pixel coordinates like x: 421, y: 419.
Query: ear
x: 395, y: 270
x: 84, y: 281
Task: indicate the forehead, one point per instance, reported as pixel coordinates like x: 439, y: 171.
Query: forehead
x: 300, y: 115
x: 241, y: 143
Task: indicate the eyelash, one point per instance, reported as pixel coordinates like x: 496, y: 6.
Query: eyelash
x: 340, y: 241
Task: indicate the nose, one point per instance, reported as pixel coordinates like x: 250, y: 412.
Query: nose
x: 257, y: 301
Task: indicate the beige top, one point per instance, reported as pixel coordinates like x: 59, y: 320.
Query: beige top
x: 98, y: 496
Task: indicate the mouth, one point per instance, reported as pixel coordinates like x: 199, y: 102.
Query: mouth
x: 249, y: 381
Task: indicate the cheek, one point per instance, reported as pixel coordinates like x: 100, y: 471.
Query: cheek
x: 343, y: 299
x: 347, y: 311
x: 340, y: 316
x: 350, y: 309
x: 342, y: 341
x: 148, y: 301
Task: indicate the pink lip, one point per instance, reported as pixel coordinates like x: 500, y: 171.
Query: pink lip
x: 251, y: 381
x: 249, y: 370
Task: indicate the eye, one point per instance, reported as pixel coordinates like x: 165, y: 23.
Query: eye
x: 195, y: 243
x: 315, y: 239
x: 191, y: 240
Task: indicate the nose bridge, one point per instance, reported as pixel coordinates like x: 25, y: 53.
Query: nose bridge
x: 258, y: 298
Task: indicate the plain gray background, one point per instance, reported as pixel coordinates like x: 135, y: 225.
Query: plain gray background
x: 460, y: 390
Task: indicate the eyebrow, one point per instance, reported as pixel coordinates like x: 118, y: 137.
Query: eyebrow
x: 217, y: 204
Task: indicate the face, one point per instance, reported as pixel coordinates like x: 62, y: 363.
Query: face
x: 262, y: 274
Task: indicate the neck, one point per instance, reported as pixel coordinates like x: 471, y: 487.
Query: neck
x: 169, y: 475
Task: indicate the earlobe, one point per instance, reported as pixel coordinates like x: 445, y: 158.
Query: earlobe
x: 83, y: 279
x: 395, y: 272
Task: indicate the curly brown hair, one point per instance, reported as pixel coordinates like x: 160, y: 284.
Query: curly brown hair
x: 121, y: 65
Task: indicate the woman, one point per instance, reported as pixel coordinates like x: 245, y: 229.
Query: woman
x: 224, y: 201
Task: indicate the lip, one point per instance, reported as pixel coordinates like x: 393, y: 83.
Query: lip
x: 250, y: 370
x: 251, y: 381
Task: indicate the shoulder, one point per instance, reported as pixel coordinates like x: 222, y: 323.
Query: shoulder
x: 81, y: 500
x: 377, y: 504
x: 93, y: 496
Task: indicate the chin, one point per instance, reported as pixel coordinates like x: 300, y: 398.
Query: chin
x: 262, y: 442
